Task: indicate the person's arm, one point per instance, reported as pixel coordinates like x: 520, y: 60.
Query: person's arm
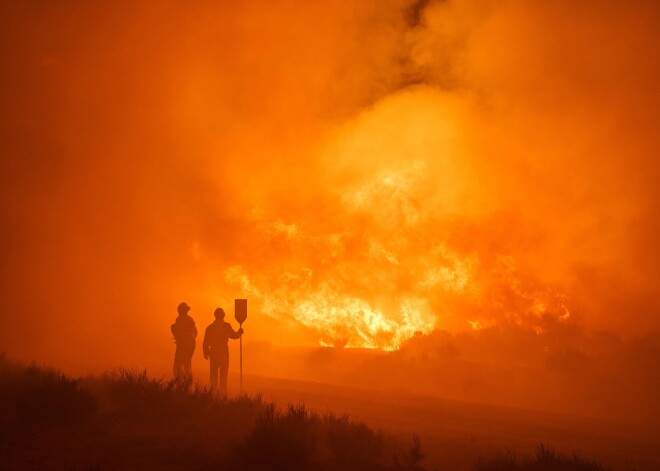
x: 194, y: 330
x: 205, y: 344
x: 235, y: 334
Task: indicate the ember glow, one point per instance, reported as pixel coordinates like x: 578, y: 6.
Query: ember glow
x: 364, y: 173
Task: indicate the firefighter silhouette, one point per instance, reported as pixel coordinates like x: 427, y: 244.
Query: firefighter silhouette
x: 216, y: 348
x: 185, y: 333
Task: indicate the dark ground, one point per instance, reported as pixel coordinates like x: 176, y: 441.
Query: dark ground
x: 127, y: 420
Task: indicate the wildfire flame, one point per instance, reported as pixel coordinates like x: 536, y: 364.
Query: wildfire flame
x: 388, y: 259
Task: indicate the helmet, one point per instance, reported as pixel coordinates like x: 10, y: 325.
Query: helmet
x: 183, y: 308
x: 219, y: 313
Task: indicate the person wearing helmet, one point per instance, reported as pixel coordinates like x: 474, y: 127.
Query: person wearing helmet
x: 185, y: 333
x: 216, y: 348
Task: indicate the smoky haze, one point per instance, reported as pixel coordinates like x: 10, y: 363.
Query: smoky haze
x: 368, y: 174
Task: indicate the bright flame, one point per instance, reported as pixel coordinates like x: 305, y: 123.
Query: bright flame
x: 388, y: 260
x: 341, y: 320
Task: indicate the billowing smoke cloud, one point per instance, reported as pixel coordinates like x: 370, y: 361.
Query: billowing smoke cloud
x: 361, y: 172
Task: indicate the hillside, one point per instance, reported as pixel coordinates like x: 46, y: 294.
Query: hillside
x: 128, y: 420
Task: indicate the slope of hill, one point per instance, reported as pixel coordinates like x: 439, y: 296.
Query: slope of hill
x: 128, y: 420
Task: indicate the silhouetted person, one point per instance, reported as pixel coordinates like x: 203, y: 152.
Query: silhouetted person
x: 185, y: 333
x: 216, y: 347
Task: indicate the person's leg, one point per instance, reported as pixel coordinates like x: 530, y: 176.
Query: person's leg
x: 214, y: 372
x: 187, y: 362
x: 224, y: 370
x: 177, y: 362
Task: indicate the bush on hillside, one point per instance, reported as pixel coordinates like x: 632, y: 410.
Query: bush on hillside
x: 35, y: 395
x: 352, y: 445
x: 134, y: 394
x: 295, y: 439
x: 281, y: 440
x: 545, y: 459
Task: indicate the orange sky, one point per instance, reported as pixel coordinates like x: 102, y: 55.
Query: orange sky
x: 360, y: 171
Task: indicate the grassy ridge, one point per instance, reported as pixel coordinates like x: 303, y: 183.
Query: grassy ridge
x: 149, y: 423
x: 128, y: 420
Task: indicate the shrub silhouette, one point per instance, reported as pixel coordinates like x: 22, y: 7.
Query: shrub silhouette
x: 281, y: 440
x: 411, y: 459
x: 415, y: 454
x: 352, y: 445
x: 295, y: 439
x: 545, y: 459
x: 135, y: 393
x: 132, y: 393
x: 35, y: 395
